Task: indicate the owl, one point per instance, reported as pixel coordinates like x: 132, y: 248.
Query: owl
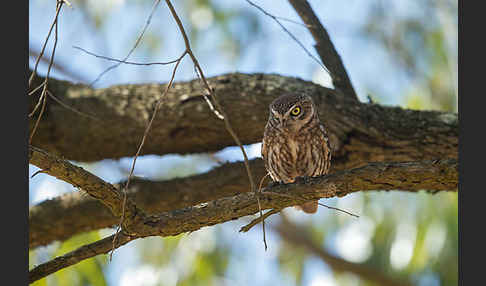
x: 295, y: 143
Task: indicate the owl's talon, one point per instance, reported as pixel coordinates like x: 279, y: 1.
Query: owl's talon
x: 302, y: 179
x: 273, y: 184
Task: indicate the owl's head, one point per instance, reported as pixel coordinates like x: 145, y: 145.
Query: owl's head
x: 290, y: 112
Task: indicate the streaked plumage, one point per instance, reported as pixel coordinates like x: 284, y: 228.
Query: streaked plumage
x: 295, y: 143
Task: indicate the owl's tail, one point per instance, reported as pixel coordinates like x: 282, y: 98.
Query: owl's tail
x: 309, y: 207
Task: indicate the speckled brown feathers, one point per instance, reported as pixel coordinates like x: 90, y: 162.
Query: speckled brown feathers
x: 295, y: 143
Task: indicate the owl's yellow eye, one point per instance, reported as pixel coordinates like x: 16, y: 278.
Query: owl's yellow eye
x: 295, y: 111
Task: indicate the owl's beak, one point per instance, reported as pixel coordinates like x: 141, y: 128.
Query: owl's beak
x: 283, y: 123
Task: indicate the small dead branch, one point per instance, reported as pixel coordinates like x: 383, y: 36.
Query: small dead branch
x: 254, y: 222
x: 338, y: 209
x: 43, y: 96
x: 41, y: 54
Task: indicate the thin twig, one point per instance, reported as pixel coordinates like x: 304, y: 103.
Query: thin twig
x: 34, y: 72
x: 291, y: 35
x: 210, y: 91
x: 147, y: 129
x: 206, y: 98
x: 274, y: 211
x: 71, y: 108
x: 292, y: 21
x: 156, y: 3
x: 43, y: 96
x: 38, y: 172
x: 39, y: 101
x: 296, y: 197
x: 125, y: 62
x: 254, y: 222
x: 338, y: 209
x: 36, y: 89
x: 278, y: 17
x: 262, y: 218
x: 44, y: 100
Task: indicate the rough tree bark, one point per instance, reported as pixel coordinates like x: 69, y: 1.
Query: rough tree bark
x: 359, y: 132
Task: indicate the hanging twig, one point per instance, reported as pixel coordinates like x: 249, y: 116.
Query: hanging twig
x: 41, y: 54
x: 43, y: 96
x: 210, y: 91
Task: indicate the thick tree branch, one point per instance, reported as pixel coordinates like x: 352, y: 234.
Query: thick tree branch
x: 437, y: 175
x: 72, y: 213
x: 359, y: 132
x: 62, y: 217
x: 297, y: 236
x: 325, y: 48
x: 78, y: 177
x: 95, y: 187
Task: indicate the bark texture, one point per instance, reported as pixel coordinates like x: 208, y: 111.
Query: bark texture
x: 359, y: 132
x: 414, y: 176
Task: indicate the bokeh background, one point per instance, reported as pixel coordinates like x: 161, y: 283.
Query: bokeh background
x: 396, y: 52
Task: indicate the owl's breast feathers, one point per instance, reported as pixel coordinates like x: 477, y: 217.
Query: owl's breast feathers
x: 287, y: 156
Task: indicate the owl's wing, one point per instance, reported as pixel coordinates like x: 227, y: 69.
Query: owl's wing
x: 327, y: 148
x: 264, y: 149
x: 326, y: 138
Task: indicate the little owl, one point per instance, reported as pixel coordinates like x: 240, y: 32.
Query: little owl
x: 295, y: 143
